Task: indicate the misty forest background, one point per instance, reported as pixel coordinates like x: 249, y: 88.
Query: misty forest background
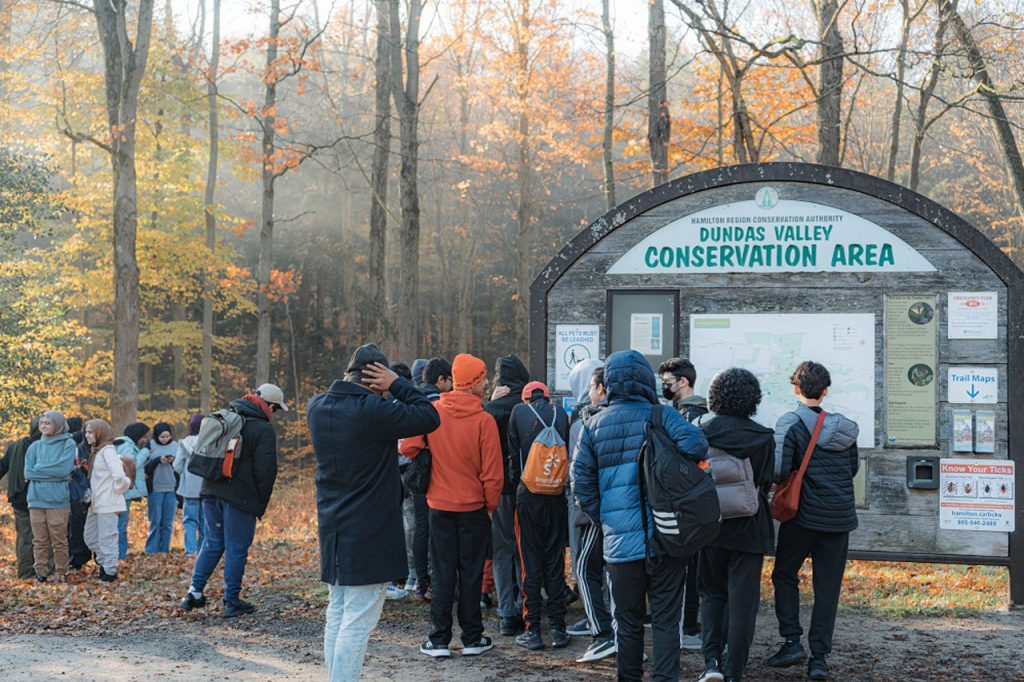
x: 198, y: 196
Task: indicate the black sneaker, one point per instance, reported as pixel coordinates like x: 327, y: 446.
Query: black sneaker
x: 601, y: 648
x: 41, y: 578
x: 790, y: 653
x: 435, y: 650
x: 817, y: 668
x: 485, y: 601
x: 108, y: 577
x: 580, y: 629
x: 192, y: 602
x: 712, y: 671
x: 233, y: 609
x: 559, y: 639
x: 530, y: 640
x: 475, y: 649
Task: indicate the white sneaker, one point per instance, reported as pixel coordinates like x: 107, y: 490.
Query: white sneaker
x: 410, y: 585
x: 481, y: 645
x: 435, y: 651
x: 394, y: 593
x: 601, y: 648
x: 690, y: 642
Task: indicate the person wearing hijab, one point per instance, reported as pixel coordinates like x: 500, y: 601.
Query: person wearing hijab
x: 189, y: 487
x: 108, y: 483
x: 132, y: 448
x: 48, y: 465
x: 161, y: 483
x: 13, y: 466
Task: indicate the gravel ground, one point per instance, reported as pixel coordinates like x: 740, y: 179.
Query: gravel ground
x: 260, y: 647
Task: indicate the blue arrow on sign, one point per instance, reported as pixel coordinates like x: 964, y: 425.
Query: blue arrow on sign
x: 973, y: 393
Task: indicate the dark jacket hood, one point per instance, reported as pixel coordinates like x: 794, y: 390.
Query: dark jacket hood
x: 627, y: 374
x: 694, y: 401
x: 739, y: 437
x: 247, y: 409
x: 510, y: 371
x: 33, y: 431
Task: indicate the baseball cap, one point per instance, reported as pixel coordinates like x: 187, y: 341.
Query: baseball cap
x: 272, y: 394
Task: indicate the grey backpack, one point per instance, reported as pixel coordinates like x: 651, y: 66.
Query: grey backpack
x: 734, y: 483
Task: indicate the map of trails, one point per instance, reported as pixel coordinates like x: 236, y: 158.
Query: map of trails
x: 771, y: 346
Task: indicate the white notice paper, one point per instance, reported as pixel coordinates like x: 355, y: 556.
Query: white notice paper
x: 976, y: 495
x: 574, y: 343
x: 973, y: 315
x: 645, y: 333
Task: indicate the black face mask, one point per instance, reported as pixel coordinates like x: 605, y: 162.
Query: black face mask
x: 666, y: 390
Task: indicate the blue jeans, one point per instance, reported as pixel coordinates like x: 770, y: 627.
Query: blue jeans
x: 352, y: 613
x: 192, y: 524
x: 160, y: 508
x: 122, y: 530
x: 228, y: 532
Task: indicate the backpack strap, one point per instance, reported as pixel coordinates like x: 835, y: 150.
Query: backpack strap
x: 656, y: 415
x: 541, y: 419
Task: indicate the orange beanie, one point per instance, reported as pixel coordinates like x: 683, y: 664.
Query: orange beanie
x: 467, y: 371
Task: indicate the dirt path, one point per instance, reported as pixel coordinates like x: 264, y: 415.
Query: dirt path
x: 986, y: 647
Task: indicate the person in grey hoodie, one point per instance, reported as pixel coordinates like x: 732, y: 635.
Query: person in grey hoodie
x: 821, y: 528
x: 586, y: 538
x: 48, y: 465
x: 161, y: 504
x: 189, y: 487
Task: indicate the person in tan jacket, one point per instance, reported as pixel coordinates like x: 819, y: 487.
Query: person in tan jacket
x: 465, y: 485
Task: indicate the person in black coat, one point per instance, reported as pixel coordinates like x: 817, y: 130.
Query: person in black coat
x: 231, y: 506
x: 358, y: 496
x: 510, y: 378
x: 13, y: 467
x: 80, y: 496
x: 730, y: 565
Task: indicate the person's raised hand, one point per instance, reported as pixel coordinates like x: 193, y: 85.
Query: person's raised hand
x: 500, y: 392
x: 378, y: 377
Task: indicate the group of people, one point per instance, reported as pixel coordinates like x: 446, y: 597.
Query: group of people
x: 505, y: 486
x: 503, y: 502
x: 72, y: 487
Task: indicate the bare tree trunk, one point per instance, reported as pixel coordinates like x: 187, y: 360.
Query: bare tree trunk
x: 124, y: 67
x: 379, y: 175
x: 658, y: 121
x: 524, y: 223
x: 609, y: 105
x: 407, y: 102
x: 178, y: 353
x: 897, y: 112
x: 206, y: 360
x: 987, y: 89
x: 830, y: 89
x: 267, y: 203
x: 921, y: 123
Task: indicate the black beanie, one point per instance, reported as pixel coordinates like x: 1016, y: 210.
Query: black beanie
x: 136, y: 431
x: 363, y: 357
x: 74, y: 424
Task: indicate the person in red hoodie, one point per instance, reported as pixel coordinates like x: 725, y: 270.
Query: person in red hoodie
x: 465, y: 484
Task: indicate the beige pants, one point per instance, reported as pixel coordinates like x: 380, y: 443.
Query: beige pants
x: 50, y: 529
x: 101, y: 537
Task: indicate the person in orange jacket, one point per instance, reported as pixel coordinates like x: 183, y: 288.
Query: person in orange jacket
x: 465, y: 484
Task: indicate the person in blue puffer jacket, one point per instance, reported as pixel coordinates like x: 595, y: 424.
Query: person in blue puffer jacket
x: 606, y: 486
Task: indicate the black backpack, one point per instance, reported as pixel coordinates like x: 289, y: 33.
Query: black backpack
x: 681, y: 496
x: 417, y: 475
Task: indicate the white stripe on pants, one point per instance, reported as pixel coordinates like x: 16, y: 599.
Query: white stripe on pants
x: 101, y: 537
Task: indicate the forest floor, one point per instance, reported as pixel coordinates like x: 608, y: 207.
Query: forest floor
x: 896, y: 622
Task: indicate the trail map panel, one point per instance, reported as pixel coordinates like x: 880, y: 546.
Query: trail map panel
x: 772, y: 345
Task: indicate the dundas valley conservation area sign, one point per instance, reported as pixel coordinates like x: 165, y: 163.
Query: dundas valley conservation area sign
x: 917, y: 314
x: 769, y: 234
